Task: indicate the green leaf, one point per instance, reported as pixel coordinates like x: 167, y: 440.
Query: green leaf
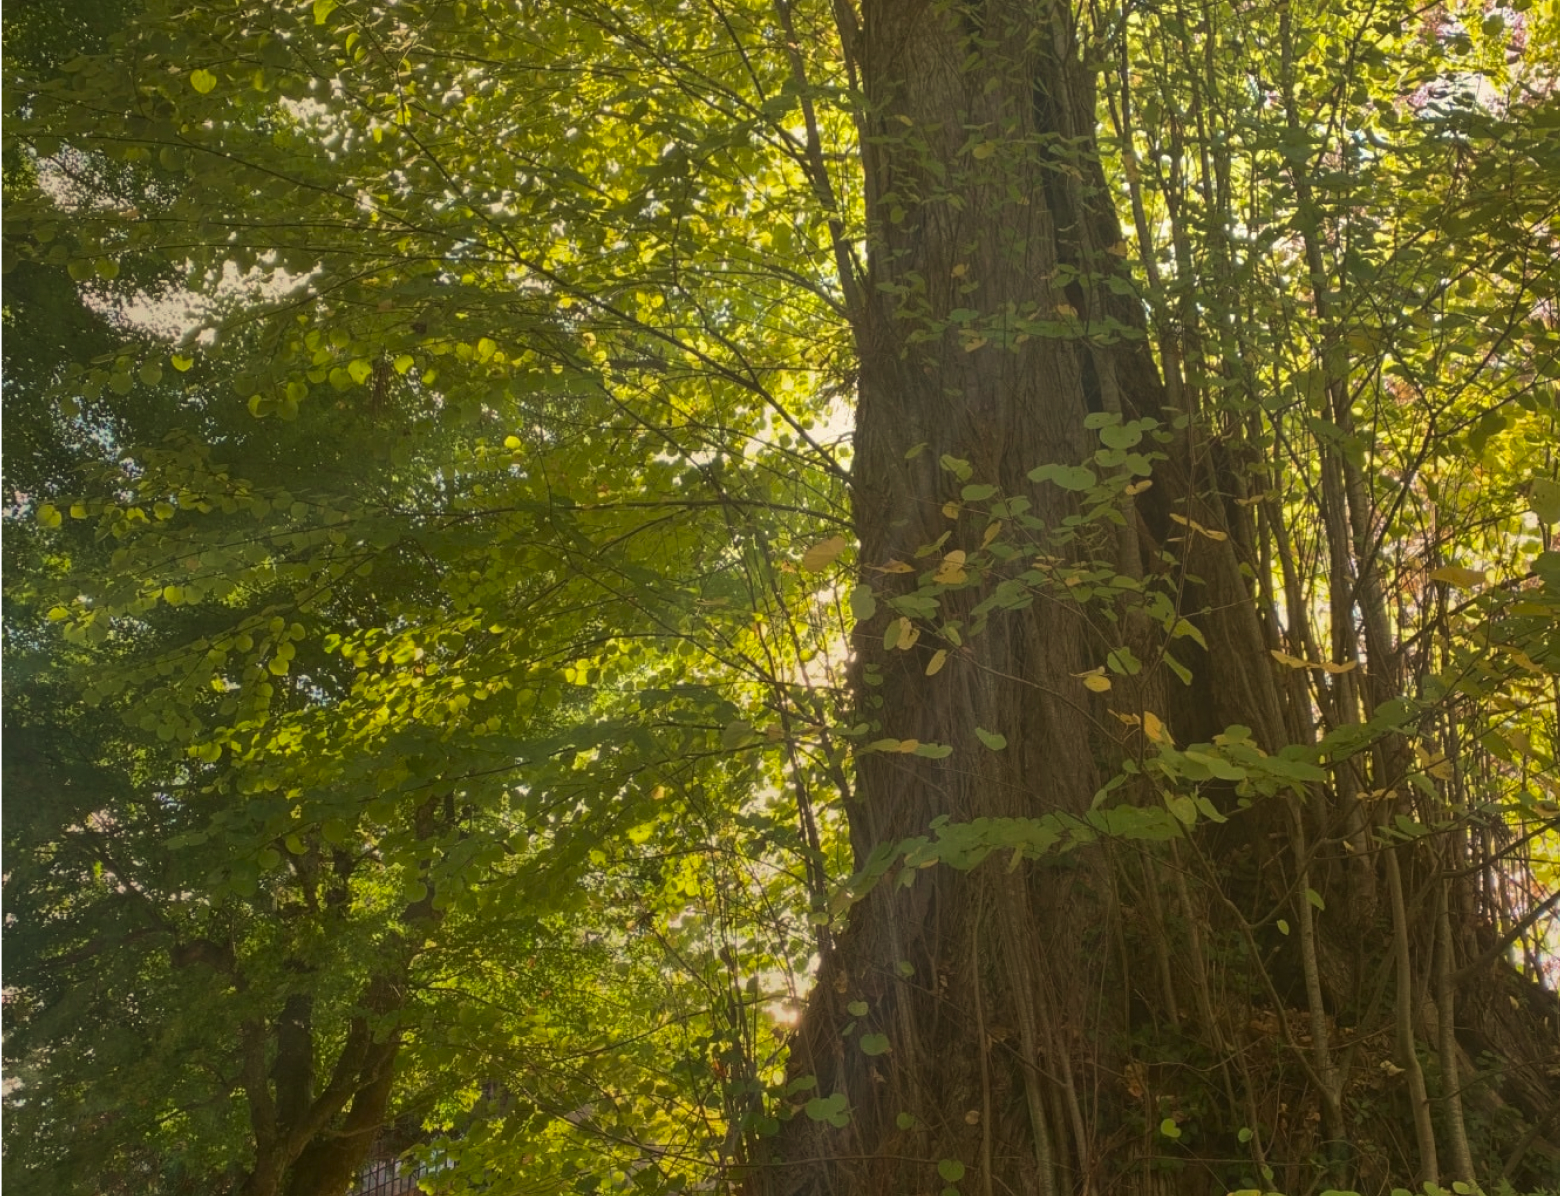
x: 1315, y: 899
x: 1068, y: 477
x: 863, y: 604
x: 1169, y: 1128
x: 874, y: 1044
x: 991, y: 739
x: 951, y: 1170
x: 831, y: 1109
x: 957, y: 466
x: 736, y: 734
x: 202, y: 80
x: 1123, y: 661
x: 1546, y: 500
x: 801, y: 1084
x: 1121, y: 437
x: 1176, y: 667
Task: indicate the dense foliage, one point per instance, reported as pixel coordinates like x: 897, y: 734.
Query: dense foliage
x: 463, y: 672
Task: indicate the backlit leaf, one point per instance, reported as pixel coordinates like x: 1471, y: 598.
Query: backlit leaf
x: 822, y: 554
x: 1466, y: 579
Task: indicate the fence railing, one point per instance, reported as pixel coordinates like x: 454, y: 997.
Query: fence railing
x: 388, y: 1177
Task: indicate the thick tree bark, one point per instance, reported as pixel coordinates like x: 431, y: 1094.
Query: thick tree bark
x: 308, y: 1143
x: 986, y: 985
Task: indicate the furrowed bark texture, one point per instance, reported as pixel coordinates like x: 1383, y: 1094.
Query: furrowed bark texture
x: 1007, y: 995
x: 984, y: 983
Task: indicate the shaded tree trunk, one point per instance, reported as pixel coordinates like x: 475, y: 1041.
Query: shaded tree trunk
x: 312, y: 1143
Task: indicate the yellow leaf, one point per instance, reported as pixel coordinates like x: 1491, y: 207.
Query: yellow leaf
x: 951, y: 509
x: 1283, y: 658
x: 960, y: 270
x: 1434, y: 763
x: 1066, y: 310
x: 992, y: 532
x: 1329, y: 667
x: 1155, y: 729
x: 1138, y: 487
x: 1094, y: 680
x: 908, y: 634
x: 1121, y: 249
x: 1455, y: 575
x: 1131, y: 720
x: 952, y: 568
x: 935, y: 664
x: 893, y: 567
x: 971, y: 345
x: 907, y: 746
x: 1211, y: 533
x: 1522, y: 659
x: 822, y: 554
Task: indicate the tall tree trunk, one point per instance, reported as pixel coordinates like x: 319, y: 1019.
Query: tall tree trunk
x: 982, y: 197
